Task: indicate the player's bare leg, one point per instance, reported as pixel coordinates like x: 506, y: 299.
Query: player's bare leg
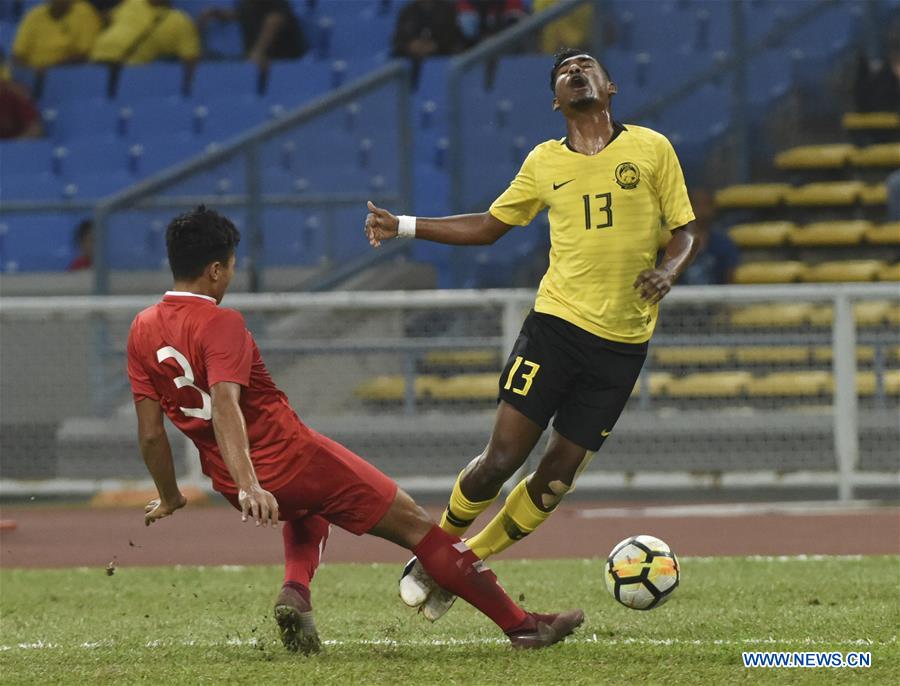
x: 455, y: 567
x: 478, y: 485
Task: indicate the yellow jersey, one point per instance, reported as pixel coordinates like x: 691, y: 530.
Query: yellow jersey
x: 606, y: 213
x: 140, y: 33
x: 43, y: 41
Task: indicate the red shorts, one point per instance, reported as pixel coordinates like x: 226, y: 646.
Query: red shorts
x: 338, y: 485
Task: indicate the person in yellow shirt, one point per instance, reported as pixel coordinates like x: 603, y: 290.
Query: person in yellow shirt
x: 56, y: 32
x: 142, y: 31
x: 610, y: 190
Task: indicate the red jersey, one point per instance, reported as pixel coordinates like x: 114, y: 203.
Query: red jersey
x: 179, y: 349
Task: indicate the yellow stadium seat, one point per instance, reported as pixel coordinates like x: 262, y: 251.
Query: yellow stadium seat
x: 769, y: 272
x: 821, y: 315
x: 889, y: 272
x: 870, y: 312
x: 867, y: 383
x: 761, y: 235
x: 659, y: 384
x: 892, y: 382
x: 893, y: 314
x: 825, y: 193
x: 779, y: 314
x: 772, y: 354
x: 790, y: 384
x: 393, y: 387
x: 698, y: 355
x: 823, y: 353
x: 709, y: 385
x: 830, y: 233
x: 893, y: 353
x: 843, y: 270
x: 884, y: 234
x: 854, y: 121
x: 752, y: 195
x: 470, y: 387
x: 874, y: 195
x: 462, y: 358
x: 832, y: 156
x: 882, y: 155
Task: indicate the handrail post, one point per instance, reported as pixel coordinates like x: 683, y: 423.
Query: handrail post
x: 254, y: 218
x: 846, y: 424
x: 101, y: 251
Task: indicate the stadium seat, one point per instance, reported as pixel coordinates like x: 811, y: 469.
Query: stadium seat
x: 823, y: 354
x: 693, y: 356
x: 752, y: 195
x: 893, y: 314
x: 659, y: 383
x: 771, y: 354
x: 821, y: 315
x: 213, y: 80
x: 843, y: 270
x: 892, y: 382
x: 75, y: 82
x: 825, y: 194
x: 769, y: 272
x: 834, y: 156
x: 462, y: 358
x: 889, y: 272
x: 874, y: 195
x: 880, y: 121
x: 25, y: 157
x: 885, y: 234
x: 392, y: 388
x: 790, y: 384
x: 762, y: 234
x: 871, y: 312
x: 154, y: 80
x: 867, y: 383
x: 775, y: 315
x: 883, y: 155
x: 829, y: 233
x: 466, y: 387
x: 728, y: 384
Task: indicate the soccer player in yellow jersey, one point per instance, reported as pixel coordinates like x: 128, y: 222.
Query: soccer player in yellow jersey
x: 610, y: 189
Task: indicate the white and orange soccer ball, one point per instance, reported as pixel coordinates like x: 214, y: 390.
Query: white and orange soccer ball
x: 642, y: 572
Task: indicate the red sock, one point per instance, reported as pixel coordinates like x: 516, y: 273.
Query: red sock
x: 304, y: 543
x: 455, y: 567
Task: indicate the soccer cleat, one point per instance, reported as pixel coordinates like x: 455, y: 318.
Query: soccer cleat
x: 415, y: 583
x: 295, y: 622
x: 439, y: 601
x: 550, y: 629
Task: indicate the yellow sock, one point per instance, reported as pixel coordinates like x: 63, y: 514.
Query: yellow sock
x: 461, y: 511
x: 518, y: 518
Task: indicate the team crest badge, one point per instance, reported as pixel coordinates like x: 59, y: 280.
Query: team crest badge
x: 628, y: 175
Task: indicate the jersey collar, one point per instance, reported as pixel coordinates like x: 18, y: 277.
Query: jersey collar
x: 186, y: 294
x: 617, y: 129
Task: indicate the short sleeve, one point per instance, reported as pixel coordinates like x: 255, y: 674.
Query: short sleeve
x: 227, y: 348
x: 89, y: 26
x: 674, y: 204
x: 24, y: 38
x: 141, y: 385
x: 519, y: 203
x: 187, y: 42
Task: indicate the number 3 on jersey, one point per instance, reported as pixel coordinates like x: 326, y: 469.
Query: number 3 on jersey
x: 187, y: 379
x: 527, y: 377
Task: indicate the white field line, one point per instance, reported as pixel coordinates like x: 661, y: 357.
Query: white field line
x: 451, y: 642
x: 734, y: 510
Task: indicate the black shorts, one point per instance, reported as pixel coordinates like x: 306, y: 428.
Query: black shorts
x: 558, y: 368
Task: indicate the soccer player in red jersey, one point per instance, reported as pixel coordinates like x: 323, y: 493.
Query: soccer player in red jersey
x: 196, y: 363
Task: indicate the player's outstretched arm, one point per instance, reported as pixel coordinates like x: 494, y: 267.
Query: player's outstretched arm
x: 654, y: 284
x: 157, y: 455
x: 231, y: 436
x: 461, y: 229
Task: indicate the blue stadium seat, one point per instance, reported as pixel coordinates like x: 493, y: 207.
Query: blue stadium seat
x: 26, y: 156
x: 96, y: 185
x: 222, y: 40
x: 78, y: 118
x: 698, y: 116
x: 155, y: 80
x: 31, y: 186
x: 769, y: 76
x: 160, y: 152
x: 293, y: 237
x: 38, y: 242
x: 157, y: 116
x: 137, y: 239
x: 99, y: 152
x: 292, y: 82
x: 216, y: 80
x: 349, y: 43
x: 75, y: 83
x: 228, y: 117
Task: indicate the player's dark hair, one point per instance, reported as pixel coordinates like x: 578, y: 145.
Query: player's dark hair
x: 83, y: 230
x: 565, y: 53
x: 197, y: 238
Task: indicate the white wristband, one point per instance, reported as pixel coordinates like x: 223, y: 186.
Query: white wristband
x: 406, y: 228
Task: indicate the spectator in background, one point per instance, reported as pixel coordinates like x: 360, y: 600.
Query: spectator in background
x: 877, y: 87
x: 142, y: 31
x: 19, y: 116
x: 426, y: 28
x: 575, y: 28
x: 84, y: 243
x: 893, y: 190
x: 269, y: 28
x: 480, y: 19
x: 56, y: 32
x: 717, y: 256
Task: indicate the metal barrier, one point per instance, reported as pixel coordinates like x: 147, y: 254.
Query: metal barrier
x: 409, y: 380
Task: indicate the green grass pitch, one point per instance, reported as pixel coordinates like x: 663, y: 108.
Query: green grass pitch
x: 213, y: 625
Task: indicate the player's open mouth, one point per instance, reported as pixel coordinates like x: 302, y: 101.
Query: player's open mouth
x: 578, y: 81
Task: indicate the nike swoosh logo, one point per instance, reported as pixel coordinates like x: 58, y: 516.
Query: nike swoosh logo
x: 557, y: 186
x: 604, y: 434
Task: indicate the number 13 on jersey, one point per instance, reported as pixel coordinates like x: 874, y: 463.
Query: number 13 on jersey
x: 526, y: 376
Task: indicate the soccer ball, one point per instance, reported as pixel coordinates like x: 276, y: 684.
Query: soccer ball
x: 642, y: 572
